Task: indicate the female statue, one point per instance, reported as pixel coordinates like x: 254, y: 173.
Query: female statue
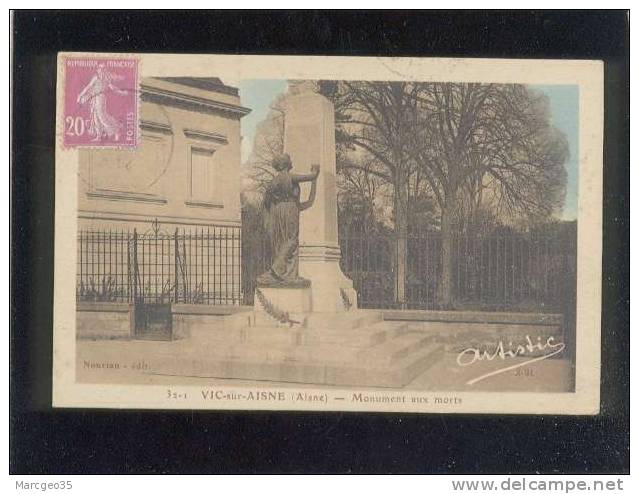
x: 101, y: 123
x: 281, y: 207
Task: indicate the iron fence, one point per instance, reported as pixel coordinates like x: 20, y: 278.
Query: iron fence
x: 532, y: 271
x: 199, y: 266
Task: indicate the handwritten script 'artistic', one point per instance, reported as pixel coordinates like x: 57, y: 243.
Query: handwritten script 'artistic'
x: 472, y: 355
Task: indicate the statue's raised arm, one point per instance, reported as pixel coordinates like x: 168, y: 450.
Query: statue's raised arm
x: 306, y: 177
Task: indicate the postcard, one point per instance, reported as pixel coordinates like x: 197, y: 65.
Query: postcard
x: 328, y: 233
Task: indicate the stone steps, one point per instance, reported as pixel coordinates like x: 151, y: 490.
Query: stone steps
x: 397, y: 348
x: 297, y: 345
x: 361, y: 336
x: 397, y: 375
x: 384, y: 354
x: 344, y: 320
x: 406, y: 369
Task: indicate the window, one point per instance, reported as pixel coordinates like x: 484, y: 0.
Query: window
x: 202, y: 175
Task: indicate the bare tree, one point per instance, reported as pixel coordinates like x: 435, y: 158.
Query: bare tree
x: 375, y: 120
x: 488, y: 146
x: 268, y: 143
x: 480, y: 150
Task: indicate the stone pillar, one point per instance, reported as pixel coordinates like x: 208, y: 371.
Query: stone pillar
x: 309, y: 138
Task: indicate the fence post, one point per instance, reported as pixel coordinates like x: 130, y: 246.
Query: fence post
x: 176, y: 254
x: 135, y: 265
x: 128, y: 267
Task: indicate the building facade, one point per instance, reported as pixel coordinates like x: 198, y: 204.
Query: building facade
x: 186, y: 170
x: 163, y: 222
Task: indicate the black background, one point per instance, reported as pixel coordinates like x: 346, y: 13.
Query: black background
x: 61, y: 441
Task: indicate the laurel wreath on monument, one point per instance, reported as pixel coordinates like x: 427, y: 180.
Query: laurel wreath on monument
x: 273, y: 311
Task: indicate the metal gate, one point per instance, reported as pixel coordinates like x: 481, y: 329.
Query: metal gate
x: 152, y: 310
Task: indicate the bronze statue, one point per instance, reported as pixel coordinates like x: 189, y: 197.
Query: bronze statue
x: 281, y: 207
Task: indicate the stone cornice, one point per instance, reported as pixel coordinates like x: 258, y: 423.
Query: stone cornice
x: 201, y: 135
x: 170, y: 219
x: 194, y: 103
x: 158, y: 127
x: 212, y: 84
x: 204, y: 204
x: 118, y: 195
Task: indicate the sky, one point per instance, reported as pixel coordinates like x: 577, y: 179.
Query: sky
x: 564, y: 106
x: 257, y: 95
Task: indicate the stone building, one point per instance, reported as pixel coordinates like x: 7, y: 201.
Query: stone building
x: 163, y: 222
x: 186, y: 170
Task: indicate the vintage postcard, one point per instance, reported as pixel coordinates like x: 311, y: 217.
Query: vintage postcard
x: 328, y: 233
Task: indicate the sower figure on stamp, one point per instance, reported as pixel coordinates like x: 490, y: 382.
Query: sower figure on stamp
x: 281, y: 209
x: 101, y: 123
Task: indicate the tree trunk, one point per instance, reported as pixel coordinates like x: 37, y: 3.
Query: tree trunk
x: 445, y: 291
x: 401, y: 242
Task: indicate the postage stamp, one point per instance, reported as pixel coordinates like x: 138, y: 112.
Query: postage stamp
x: 353, y: 234
x: 100, y: 102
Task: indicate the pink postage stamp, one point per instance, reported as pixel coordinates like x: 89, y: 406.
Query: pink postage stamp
x: 100, y: 102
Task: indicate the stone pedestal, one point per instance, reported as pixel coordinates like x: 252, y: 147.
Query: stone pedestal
x: 292, y: 300
x: 309, y: 138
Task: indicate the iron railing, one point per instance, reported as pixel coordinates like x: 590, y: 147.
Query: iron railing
x: 199, y: 266
x: 531, y: 271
